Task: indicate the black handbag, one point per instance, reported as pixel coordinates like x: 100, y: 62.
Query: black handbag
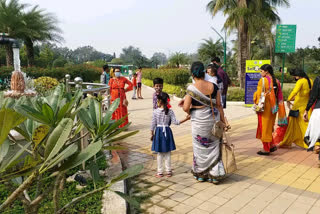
x: 294, y: 113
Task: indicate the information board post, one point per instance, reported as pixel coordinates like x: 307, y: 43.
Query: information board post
x: 283, y: 64
x: 252, y: 78
x: 285, y: 42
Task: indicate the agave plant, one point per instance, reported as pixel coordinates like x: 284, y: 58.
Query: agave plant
x: 50, y: 147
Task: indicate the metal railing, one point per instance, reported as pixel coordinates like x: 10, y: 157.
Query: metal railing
x: 99, y: 90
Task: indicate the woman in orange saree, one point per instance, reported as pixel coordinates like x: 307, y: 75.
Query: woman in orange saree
x: 118, y: 90
x: 270, y: 86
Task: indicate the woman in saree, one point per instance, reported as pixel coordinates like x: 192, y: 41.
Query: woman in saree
x: 273, y: 104
x: 312, y: 135
x: 207, y: 164
x: 297, y: 127
x: 118, y: 90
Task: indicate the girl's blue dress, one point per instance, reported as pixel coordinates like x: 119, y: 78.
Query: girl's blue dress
x: 163, y: 139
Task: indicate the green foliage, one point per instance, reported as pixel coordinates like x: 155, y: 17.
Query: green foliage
x: 178, y: 91
x: 209, y: 49
x: 170, y: 76
x: 236, y: 94
x: 59, y: 62
x: 45, y: 85
x: 117, y: 61
x: 178, y: 59
x: 87, y: 72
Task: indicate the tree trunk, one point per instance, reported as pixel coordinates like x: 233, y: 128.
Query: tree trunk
x: 243, y: 51
x: 30, y: 52
x: 9, y: 54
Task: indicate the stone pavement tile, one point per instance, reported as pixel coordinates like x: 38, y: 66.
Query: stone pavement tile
x: 168, y: 203
x: 155, y: 188
x: 201, y: 185
x: 198, y: 211
x: 298, y: 208
x: 301, y: 183
x: 189, y: 191
x: 314, y: 187
x: 279, y: 205
x: 177, y: 187
x: 253, y: 207
x: 308, y: 198
x: 182, y: 208
x: 208, y: 206
x: 156, y: 198
x: 241, y: 200
x: 166, y: 192
x: 156, y: 210
x: 165, y: 183
x: 224, y: 210
x: 218, y: 200
x: 314, y: 210
x: 193, y: 202
x: 179, y: 196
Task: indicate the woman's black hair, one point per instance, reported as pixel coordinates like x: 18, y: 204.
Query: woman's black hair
x: 105, y: 67
x: 197, y: 69
x: 301, y: 73
x: 214, y: 68
x: 115, y: 68
x: 269, y: 69
x: 163, y: 97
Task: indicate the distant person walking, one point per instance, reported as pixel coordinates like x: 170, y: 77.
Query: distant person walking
x: 225, y: 79
x: 134, y: 83
x: 269, y: 86
x: 300, y: 95
x: 118, y: 90
x: 139, y: 78
x: 312, y: 135
x: 105, y: 76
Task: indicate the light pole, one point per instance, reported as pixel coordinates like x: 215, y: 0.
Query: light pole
x: 224, y: 42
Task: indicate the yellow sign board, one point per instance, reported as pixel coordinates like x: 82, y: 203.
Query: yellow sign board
x: 253, y: 66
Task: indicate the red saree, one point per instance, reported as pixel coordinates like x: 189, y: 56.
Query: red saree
x: 117, y: 90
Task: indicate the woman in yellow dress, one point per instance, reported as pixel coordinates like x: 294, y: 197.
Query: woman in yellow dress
x: 297, y: 127
x: 270, y: 87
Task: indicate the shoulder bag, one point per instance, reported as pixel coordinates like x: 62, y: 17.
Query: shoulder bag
x: 227, y: 155
x: 260, y: 106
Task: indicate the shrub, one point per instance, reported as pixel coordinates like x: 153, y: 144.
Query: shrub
x: 171, y: 76
x: 44, y: 85
x: 87, y: 72
x: 235, y: 94
x: 178, y: 91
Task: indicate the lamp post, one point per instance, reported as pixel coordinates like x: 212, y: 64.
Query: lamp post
x: 224, y: 42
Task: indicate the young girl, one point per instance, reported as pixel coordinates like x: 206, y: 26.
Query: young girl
x: 162, y: 140
x: 134, y: 83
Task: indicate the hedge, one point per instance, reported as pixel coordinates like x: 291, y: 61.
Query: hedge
x: 87, y: 72
x: 176, y: 90
x: 172, y: 76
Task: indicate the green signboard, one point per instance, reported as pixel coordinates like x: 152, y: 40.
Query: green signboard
x: 286, y: 38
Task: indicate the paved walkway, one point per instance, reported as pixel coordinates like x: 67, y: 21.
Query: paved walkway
x: 288, y: 181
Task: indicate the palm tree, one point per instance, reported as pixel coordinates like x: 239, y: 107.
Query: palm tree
x: 40, y: 26
x: 243, y: 16
x: 209, y: 49
x: 178, y: 59
x: 11, y: 23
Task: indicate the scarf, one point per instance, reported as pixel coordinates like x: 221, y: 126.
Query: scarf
x: 277, y: 104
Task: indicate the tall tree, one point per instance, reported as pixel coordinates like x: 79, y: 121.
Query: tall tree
x: 39, y: 26
x: 178, y: 59
x: 11, y: 22
x: 209, y: 49
x: 242, y: 16
x: 159, y: 59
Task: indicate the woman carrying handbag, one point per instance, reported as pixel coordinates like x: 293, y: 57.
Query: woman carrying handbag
x: 269, y: 98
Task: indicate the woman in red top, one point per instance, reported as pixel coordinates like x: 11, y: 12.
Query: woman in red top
x: 117, y: 90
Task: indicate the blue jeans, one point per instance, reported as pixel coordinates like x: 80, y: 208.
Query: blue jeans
x: 224, y: 100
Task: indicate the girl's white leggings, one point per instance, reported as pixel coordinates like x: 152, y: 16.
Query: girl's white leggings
x: 166, y: 157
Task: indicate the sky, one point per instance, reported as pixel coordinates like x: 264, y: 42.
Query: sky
x: 166, y: 26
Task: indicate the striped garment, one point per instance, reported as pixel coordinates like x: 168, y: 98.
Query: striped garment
x: 160, y: 119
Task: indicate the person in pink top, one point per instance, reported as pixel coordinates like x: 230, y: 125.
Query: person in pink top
x: 139, y: 77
